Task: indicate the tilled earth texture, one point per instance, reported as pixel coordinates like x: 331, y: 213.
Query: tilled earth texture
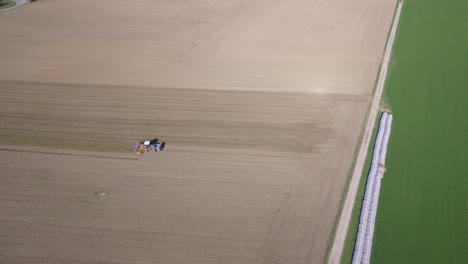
x: 261, y: 104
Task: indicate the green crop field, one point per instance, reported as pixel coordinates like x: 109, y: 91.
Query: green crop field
x: 423, y: 209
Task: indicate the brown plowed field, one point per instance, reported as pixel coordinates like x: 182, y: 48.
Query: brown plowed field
x: 261, y: 104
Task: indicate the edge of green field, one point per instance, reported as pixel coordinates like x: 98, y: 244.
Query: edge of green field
x: 351, y: 233
x: 350, y: 241
x: 7, y: 4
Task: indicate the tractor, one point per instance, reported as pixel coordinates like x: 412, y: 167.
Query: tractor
x: 148, y: 146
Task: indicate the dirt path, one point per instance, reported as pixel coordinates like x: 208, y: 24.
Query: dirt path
x: 342, y: 230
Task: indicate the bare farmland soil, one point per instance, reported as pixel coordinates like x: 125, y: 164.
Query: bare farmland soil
x: 261, y: 103
x: 91, y: 117
x: 275, y: 148
x: 308, y: 46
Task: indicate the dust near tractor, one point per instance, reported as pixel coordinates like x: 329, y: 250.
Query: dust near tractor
x: 148, y: 146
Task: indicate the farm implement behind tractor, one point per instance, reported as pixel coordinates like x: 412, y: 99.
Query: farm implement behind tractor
x: 148, y: 146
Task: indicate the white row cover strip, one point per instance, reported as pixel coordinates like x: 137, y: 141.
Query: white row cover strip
x: 376, y: 192
x: 363, y: 221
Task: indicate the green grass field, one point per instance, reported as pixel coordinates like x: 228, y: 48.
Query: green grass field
x: 6, y: 4
x: 423, y: 209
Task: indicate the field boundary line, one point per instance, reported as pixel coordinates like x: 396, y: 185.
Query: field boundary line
x: 346, y: 213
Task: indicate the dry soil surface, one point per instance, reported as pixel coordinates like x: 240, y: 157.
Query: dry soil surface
x: 261, y: 103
